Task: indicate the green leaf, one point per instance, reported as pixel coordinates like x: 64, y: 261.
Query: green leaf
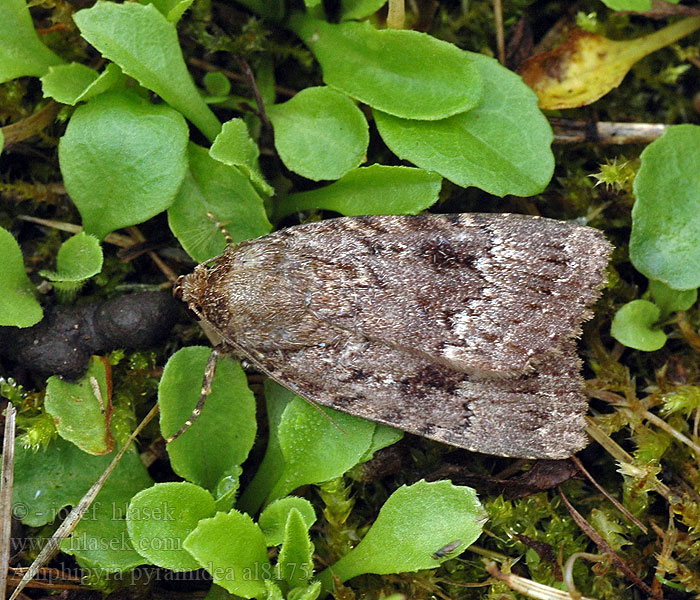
x: 223, y: 191
x: 637, y: 5
x: 387, y: 69
x: 272, y: 591
x: 234, y: 147
x: 47, y: 481
x: 80, y: 416
x: 383, y: 436
x: 227, y: 489
x: 161, y: 517
x: 295, y: 562
x: 669, y: 300
x: 502, y: 146
x: 360, y: 9
x: 78, y: 258
x: 318, y: 444
x: 268, y: 9
x: 374, y: 190
x: 633, y: 326
x: 170, y: 9
x: 123, y: 160
x: 217, y: 84
x: 145, y: 45
x: 73, y: 83
x: 320, y: 133
x: 270, y: 470
x: 18, y: 306
x: 313, y: 591
x: 666, y: 214
x: 21, y: 52
x: 273, y: 519
x: 413, y: 524
x: 225, y: 430
x: 231, y: 547
x: 265, y: 77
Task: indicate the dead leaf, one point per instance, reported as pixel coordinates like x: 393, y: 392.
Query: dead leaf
x: 587, y: 66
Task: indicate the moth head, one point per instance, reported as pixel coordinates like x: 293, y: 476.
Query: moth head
x: 192, y: 289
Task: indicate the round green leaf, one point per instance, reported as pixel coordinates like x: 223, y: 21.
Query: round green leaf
x: 320, y: 133
x: 58, y: 476
x: 502, y: 146
x: 123, y: 160
x: 669, y: 300
x: 145, y: 45
x: 666, y: 215
x: 21, y: 51
x: 373, y: 190
x: 225, y: 430
x: 161, y: 517
x: 78, y: 258
x: 217, y: 84
x: 318, y: 444
x: 404, y: 73
x: 75, y: 82
x: 213, y: 187
x: 413, y: 524
x: 273, y: 519
x: 234, y: 146
x: 18, y: 306
x: 64, y: 83
x: 633, y: 326
x: 80, y: 416
x: 231, y: 547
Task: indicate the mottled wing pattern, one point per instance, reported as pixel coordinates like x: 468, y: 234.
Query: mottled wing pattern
x: 459, y: 328
x: 485, y: 294
x: 535, y: 415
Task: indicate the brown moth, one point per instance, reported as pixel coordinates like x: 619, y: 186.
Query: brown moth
x: 460, y: 328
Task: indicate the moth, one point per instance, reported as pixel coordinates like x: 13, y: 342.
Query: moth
x: 460, y: 328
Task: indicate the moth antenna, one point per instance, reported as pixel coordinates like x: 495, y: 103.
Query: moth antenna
x: 209, y: 372
x: 324, y: 413
x: 222, y: 229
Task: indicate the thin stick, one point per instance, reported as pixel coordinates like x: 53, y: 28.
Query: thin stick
x: 572, y: 131
x: 612, y: 499
x: 26, y: 128
x: 498, y: 24
x: 8, y: 467
x: 73, y: 518
x: 528, y: 587
x: 250, y: 78
x: 117, y: 239
x: 396, y: 16
x: 661, y: 424
x: 165, y: 269
x: 210, y: 68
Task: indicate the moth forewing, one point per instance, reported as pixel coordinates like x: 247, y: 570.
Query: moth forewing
x: 456, y: 327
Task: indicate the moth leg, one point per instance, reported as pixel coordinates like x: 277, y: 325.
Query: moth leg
x: 209, y: 372
x: 222, y: 228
